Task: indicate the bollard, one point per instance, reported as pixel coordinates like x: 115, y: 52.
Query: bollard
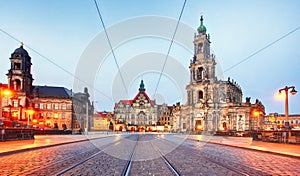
x: 3, y: 134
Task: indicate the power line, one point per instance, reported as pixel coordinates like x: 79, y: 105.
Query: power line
x: 55, y: 64
x: 260, y: 50
x: 111, y: 48
x: 171, y: 44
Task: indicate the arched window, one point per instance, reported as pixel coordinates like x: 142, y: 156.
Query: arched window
x: 17, y: 85
x: 200, y: 95
x: 200, y: 48
x: 200, y: 73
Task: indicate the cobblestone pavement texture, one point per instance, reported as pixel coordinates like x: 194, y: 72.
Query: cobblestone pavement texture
x: 190, y: 158
x: 147, y: 160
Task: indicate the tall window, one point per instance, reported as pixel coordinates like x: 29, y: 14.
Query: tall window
x: 63, y: 115
x: 200, y: 47
x: 55, y: 106
x: 200, y: 95
x: 200, y: 73
x: 17, y: 84
x: 48, y: 106
x: 64, y: 106
x: 41, y: 106
x: 16, y: 103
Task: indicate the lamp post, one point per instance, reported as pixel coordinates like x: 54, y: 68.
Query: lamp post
x: 30, y: 113
x: 293, y: 92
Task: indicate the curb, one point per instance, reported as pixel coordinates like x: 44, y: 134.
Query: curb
x: 248, y: 148
x: 46, y: 146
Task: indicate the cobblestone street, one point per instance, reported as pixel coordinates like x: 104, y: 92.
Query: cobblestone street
x: 108, y: 156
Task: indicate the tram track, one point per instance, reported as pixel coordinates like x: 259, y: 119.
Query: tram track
x: 234, y: 167
x: 156, y: 165
x: 89, y: 150
x: 125, y: 167
x: 96, y: 158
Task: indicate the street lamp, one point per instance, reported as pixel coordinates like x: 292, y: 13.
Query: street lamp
x: 293, y: 92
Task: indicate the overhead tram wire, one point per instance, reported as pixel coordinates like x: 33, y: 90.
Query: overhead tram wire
x: 111, y: 48
x: 171, y: 44
x: 55, y: 64
x: 260, y: 50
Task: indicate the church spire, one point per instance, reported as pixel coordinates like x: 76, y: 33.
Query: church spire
x: 142, y: 87
x: 201, y: 29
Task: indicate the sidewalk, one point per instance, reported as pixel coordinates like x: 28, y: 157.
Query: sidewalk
x: 247, y: 143
x: 42, y: 141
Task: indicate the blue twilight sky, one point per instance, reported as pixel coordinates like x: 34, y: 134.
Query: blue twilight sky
x: 61, y: 30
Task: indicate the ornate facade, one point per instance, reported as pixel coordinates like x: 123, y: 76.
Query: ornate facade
x: 43, y: 106
x: 213, y: 104
x: 140, y: 114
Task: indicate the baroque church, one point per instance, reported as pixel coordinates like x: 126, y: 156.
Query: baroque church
x: 213, y: 105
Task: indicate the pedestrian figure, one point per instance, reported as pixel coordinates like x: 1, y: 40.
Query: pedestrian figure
x: 284, y: 137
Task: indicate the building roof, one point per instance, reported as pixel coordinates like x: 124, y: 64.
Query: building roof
x: 4, y: 86
x: 201, y: 29
x: 21, y: 51
x: 142, y: 90
x: 103, y: 114
x: 51, y: 91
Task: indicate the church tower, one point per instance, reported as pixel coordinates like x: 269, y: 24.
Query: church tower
x: 202, y: 68
x: 202, y: 91
x: 19, y: 75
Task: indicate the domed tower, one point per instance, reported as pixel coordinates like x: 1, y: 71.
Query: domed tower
x: 202, y: 66
x: 19, y: 75
x: 202, y: 91
x: 202, y: 69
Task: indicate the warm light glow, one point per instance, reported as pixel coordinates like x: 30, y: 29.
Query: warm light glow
x: 15, y: 114
x: 56, y: 116
x: 7, y: 92
x: 34, y: 121
x: 280, y: 96
x: 199, y: 127
x: 30, y: 111
x: 256, y: 113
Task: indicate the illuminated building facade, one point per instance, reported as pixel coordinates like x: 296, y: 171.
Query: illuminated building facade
x: 43, y: 106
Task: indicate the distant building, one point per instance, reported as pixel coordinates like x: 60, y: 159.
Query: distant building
x: 275, y: 121
x: 44, y: 106
x: 103, y: 121
x: 140, y: 114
